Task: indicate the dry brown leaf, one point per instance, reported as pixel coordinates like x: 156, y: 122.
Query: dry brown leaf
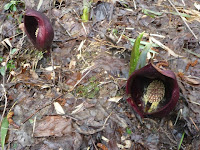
x: 102, y: 146
x: 21, y: 26
x: 58, y: 108
x: 191, y: 81
x: 7, y: 41
x: 34, y: 74
x: 115, y: 99
x: 72, y: 64
x: 73, y: 78
x: 188, y: 79
x: 53, y: 126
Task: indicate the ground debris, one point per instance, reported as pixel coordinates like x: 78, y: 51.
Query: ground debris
x: 91, y: 64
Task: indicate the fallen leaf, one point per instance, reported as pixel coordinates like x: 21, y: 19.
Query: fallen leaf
x: 115, y: 99
x: 72, y: 64
x: 197, y: 6
x: 79, y: 108
x: 71, y: 141
x: 7, y: 41
x: 188, y: 79
x: 58, y: 108
x: 191, y: 81
x: 50, y: 68
x: 34, y: 74
x: 53, y: 126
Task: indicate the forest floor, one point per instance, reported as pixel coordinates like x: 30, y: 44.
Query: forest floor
x: 84, y: 106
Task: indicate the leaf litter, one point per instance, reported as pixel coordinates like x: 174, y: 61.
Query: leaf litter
x: 90, y: 77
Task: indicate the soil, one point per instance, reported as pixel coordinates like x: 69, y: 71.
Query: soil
x: 81, y: 104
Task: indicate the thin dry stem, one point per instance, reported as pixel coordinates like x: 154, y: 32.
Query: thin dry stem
x: 6, y: 102
x: 120, y: 36
x: 171, y: 52
x: 81, y: 79
x: 194, y: 124
x: 183, y: 20
x: 52, y: 64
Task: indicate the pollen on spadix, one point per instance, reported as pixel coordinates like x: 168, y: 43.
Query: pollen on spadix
x: 154, y: 94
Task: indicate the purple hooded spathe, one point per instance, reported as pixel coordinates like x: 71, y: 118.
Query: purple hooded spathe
x: 38, y: 29
x: 141, y: 77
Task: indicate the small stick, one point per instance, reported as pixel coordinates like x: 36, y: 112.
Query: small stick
x: 194, y: 124
x: 183, y: 20
x: 4, y: 90
x: 52, y: 64
x: 81, y: 79
x: 134, y: 3
x: 5, y: 105
x: 34, y: 122
x: 120, y: 36
x: 171, y: 52
x: 40, y: 109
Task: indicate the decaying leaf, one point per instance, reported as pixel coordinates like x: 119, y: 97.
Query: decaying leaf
x: 58, y: 108
x: 72, y: 141
x: 78, y: 108
x: 53, y: 126
x: 115, y: 99
x: 7, y: 41
x: 189, y: 80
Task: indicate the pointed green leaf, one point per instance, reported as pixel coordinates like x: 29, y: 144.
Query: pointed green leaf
x: 86, y: 8
x: 13, y: 51
x: 3, y: 70
x: 128, y: 131
x: 14, y: 8
x: 7, y: 6
x: 181, y: 141
x: 142, y: 43
x: 143, y: 56
x: 151, y: 12
x: 85, y: 16
x: 1, y: 59
x: 182, y: 14
x: 4, y: 130
x: 135, y: 54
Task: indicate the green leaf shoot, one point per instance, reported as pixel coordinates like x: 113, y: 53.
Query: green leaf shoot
x: 135, y: 54
x: 143, y: 56
x: 3, y: 70
x: 86, y: 9
x: 181, y: 141
x: 128, y: 131
x: 151, y: 13
x: 7, y: 6
x: 4, y: 130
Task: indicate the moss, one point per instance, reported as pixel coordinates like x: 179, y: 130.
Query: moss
x: 89, y: 90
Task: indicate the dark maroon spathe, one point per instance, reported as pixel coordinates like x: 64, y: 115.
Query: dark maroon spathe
x: 142, y: 77
x: 38, y: 29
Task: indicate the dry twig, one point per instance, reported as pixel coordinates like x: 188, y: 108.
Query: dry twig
x: 183, y: 20
x: 5, y: 104
x: 164, y: 47
x: 41, y: 108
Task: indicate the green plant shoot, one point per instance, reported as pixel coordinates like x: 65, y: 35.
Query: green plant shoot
x: 12, y: 5
x: 151, y: 13
x: 128, y: 131
x: 4, y: 130
x: 143, y: 56
x: 86, y: 9
x: 135, y: 54
x: 181, y: 141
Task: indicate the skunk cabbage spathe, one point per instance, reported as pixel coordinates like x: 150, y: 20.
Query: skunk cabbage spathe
x: 153, y: 92
x: 38, y: 29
